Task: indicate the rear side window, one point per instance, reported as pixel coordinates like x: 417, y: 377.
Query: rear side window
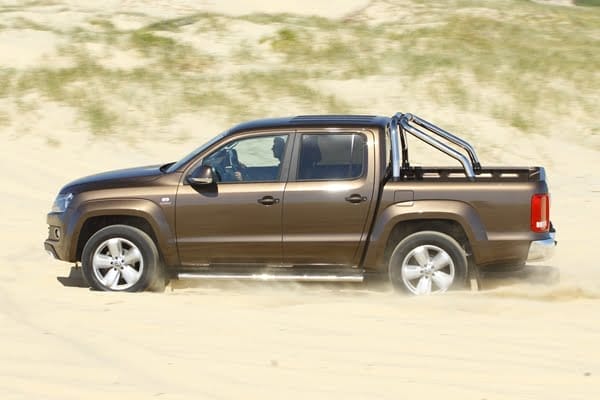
x: 336, y: 156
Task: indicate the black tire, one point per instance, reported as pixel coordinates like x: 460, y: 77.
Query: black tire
x: 434, y: 244
x: 133, y: 244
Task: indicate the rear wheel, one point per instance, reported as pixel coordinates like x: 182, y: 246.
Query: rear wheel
x: 122, y: 258
x: 428, y: 262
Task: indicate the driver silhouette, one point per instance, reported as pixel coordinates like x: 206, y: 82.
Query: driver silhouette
x: 278, y: 147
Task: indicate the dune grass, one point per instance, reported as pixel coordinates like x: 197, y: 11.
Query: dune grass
x: 518, y: 60
x: 338, y: 53
x: 6, y: 78
x: 588, y: 3
x: 515, y: 61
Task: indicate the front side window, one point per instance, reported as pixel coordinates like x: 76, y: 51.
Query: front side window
x: 254, y: 159
x: 335, y: 156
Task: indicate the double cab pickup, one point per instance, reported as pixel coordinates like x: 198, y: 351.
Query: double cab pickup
x: 307, y: 198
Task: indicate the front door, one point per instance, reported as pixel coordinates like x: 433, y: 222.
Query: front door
x: 328, y: 197
x: 237, y: 220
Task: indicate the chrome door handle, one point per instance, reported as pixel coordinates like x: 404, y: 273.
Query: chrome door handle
x: 355, y: 198
x: 268, y: 200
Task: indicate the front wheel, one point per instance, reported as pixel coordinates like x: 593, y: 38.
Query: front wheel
x: 121, y: 258
x: 428, y: 262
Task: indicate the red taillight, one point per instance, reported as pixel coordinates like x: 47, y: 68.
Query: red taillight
x: 540, y: 213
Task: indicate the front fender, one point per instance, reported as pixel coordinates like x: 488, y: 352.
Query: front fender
x: 462, y: 213
x: 143, y: 208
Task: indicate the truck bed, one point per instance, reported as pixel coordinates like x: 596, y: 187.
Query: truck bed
x: 491, y: 210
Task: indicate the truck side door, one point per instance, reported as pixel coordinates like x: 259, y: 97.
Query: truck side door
x: 328, y: 196
x: 238, y: 220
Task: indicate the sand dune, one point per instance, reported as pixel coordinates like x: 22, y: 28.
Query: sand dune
x: 529, y: 335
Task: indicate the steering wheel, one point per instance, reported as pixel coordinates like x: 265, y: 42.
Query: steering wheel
x: 227, y: 165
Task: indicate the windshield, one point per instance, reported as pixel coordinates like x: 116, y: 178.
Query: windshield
x: 194, y: 153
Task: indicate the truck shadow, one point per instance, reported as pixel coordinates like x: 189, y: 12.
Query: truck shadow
x: 74, y: 279
x: 542, y: 275
x: 489, y: 280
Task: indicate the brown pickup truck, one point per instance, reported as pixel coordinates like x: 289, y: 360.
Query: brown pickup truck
x: 308, y: 198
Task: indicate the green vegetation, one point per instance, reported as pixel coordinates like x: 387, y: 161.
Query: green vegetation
x: 73, y: 86
x: 513, y: 61
x: 286, y: 84
x: 337, y: 53
x: 6, y: 76
x: 516, y: 59
x: 101, y: 119
x: 588, y: 3
x: 102, y: 23
x: 168, y: 53
x: 204, y: 21
x: 23, y: 23
x: 53, y: 142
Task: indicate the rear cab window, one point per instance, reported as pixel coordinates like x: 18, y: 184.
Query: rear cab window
x: 332, y: 156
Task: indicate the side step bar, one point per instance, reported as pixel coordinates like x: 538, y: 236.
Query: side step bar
x: 287, y: 276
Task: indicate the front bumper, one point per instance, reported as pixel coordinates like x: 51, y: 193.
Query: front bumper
x: 540, y: 250
x: 49, y: 247
x: 58, y: 242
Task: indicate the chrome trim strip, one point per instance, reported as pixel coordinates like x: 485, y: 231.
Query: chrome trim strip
x: 272, y: 277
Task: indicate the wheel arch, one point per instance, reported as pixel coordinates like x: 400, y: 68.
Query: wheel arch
x: 139, y: 213
x: 457, y: 219
x: 446, y: 226
x: 94, y: 224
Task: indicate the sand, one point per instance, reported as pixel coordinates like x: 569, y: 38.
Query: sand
x: 532, y: 335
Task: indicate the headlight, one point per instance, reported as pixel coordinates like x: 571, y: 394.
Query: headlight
x: 62, y: 202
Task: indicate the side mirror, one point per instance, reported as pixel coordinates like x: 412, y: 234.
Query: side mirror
x: 203, y: 175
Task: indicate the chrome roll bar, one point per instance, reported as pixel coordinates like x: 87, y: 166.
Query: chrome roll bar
x: 471, y: 165
x: 394, y: 136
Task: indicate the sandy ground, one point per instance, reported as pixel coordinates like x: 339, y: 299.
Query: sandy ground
x: 532, y: 335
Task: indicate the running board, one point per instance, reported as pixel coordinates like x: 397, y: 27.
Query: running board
x: 286, y: 276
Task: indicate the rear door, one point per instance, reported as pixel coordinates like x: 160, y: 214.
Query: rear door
x: 328, y: 196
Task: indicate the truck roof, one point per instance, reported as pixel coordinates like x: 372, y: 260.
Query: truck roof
x: 313, y: 120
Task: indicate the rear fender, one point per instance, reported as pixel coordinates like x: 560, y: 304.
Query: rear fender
x: 462, y: 213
